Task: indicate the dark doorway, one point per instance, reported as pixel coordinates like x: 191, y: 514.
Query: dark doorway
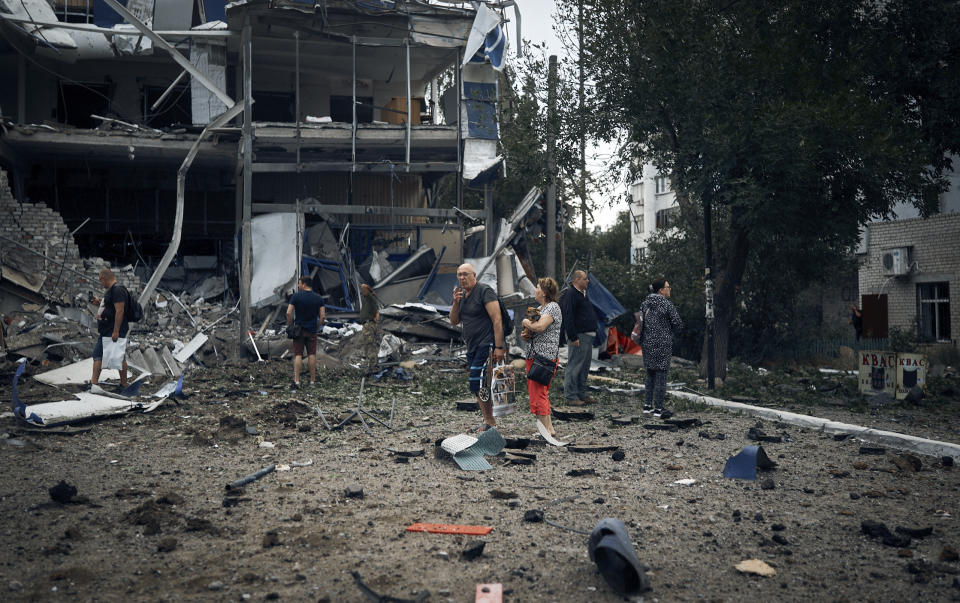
x: 341, y: 109
x: 874, y: 312
x: 273, y: 106
x: 76, y: 102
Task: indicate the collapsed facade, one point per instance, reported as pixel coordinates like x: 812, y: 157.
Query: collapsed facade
x: 249, y: 142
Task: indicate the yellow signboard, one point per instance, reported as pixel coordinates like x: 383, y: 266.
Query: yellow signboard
x: 911, y: 371
x: 878, y: 372
x: 891, y: 372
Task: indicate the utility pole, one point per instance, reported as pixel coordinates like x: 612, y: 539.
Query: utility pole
x: 550, y: 268
x: 708, y: 288
x: 583, y: 134
x: 246, y: 254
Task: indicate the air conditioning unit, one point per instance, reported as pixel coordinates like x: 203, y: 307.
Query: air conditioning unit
x: 896, y: 262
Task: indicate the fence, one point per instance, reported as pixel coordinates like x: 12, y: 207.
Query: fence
x: 830, y: 348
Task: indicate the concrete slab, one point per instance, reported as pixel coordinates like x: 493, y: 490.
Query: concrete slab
x: 191, y: 348
x: 173, y: 367
x: 77, y: 373
x: 154, y: 364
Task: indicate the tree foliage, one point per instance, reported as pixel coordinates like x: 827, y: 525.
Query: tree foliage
x: 795, y: 121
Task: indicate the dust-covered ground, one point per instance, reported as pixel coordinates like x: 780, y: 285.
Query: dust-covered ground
x: 152, y: 520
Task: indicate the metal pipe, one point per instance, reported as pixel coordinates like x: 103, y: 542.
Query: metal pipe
x: 175, y: 35
x: 353, y: 129
x: 174, y: 53
x: 409, y: 102
x: 250, y: 478
x: 167, y: 92
x: 458, y: 73
x: 296, y: 93
x: 181, y: 192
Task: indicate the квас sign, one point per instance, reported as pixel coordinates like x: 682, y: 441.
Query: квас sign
x: 890, y: 372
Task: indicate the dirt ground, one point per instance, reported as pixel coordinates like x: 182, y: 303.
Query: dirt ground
x: 151, y: 518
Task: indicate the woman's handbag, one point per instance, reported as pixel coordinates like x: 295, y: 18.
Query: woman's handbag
x: 542, y: 369
x: 294, y: 331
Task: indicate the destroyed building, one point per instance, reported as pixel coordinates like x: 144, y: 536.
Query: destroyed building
x: 244, y: 144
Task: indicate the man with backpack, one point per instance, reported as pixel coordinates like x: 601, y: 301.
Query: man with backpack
x: 113, y: 322
x: 477, y: 306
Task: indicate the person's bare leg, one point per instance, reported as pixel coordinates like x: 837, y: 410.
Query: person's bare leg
x: 123, y: 373
x: 545, y: 420
x: 486, y: 408
x: 312, y: 361
x: 297, y: 365
x: 95, y: 378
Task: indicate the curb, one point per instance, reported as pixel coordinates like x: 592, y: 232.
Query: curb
x: 866, y: 434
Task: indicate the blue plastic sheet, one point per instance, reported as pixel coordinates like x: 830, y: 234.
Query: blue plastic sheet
x: 744, y: 465
x: 605, y: 305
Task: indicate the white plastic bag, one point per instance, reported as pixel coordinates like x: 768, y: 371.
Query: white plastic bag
x: 503, y: 389
x: 113, y: 352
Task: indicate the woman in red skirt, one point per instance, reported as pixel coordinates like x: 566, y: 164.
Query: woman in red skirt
x: 543, y: 336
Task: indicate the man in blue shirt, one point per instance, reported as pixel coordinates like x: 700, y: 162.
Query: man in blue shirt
x: 310, y: 314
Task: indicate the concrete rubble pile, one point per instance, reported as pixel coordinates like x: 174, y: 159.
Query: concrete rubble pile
x: 192, y: 318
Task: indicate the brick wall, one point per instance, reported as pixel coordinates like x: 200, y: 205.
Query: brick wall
x: 41, y: 229
x: 934, y: 257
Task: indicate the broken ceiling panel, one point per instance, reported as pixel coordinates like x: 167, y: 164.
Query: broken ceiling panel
x: 275, y: 240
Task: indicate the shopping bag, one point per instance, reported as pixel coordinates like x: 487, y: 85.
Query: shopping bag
x: 113, y: 352
x: 503, y: 389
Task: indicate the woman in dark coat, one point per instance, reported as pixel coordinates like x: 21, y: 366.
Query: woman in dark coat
x: 661, y: 322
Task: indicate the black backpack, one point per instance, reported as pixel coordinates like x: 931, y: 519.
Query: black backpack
x: 135, y: 313
x: 505, y: 320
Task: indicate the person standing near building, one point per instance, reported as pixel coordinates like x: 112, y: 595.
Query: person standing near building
x: 661, y: 322
x: 856, y: 319
x: 369, y: 317
x: 544, y: 343
x: 580, y: 327
x: 310, y: 314
x: 111, y: 322
x: 476, y: 306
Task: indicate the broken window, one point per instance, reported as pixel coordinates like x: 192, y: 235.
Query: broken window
x: 933, y: 311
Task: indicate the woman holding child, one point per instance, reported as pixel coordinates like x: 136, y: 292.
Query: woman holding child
x: 543, y: 336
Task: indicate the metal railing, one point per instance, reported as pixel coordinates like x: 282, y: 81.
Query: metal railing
x: 830, y: 348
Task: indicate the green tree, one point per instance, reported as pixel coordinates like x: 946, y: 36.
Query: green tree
x: 794, y: 121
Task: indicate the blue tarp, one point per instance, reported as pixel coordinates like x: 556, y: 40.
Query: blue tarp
x: 481, y: 102
x: 494, y: 48
x: 605, y: 305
